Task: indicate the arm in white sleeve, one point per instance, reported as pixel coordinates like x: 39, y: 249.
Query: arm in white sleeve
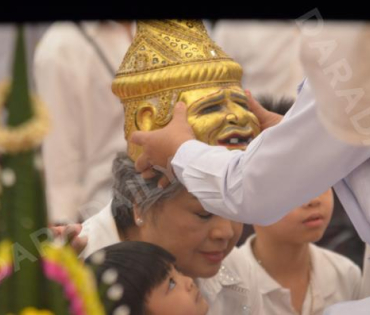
x: 57, y: 86
x: 335, y: 60
x: 284, y: 167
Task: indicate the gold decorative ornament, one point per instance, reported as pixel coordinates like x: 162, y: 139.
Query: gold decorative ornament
x: 175, y: 60
x: 27, y: 135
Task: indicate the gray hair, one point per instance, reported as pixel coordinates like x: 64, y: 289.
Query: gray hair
x: 130, y: 189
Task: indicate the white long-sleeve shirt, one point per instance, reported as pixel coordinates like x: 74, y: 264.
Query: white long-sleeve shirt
x: 335, y: 59
x: 286, y: 166
x: 293, y: 162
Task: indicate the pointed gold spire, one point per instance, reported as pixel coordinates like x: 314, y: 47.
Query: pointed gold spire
x: 166, y: 58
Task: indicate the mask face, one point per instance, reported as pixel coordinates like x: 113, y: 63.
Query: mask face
x: 220, y: 116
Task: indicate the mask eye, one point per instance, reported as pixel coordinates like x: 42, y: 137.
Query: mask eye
x: 242, y: 104
x: 210, y: 109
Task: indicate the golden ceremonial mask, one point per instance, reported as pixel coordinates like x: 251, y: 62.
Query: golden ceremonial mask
x: 175, y: 60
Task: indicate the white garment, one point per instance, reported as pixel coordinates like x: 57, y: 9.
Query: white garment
x: 100, y: 230
x: 268, y: 52
x: 284, y: 167
x: 235, y: 288
x: 87, y: 118
x: 365, y: 289
x: 335, y: 58
x: 361, y: 307
x: 334, y: 278
x: 223, y: 291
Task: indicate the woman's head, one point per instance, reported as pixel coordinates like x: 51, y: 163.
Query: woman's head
x: 145, y: 276
x: 173, y: 219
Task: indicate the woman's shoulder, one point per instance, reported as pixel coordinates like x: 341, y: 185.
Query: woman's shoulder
x: 234, y: 289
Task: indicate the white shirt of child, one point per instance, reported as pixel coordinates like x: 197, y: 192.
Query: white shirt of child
x: 334, y: 278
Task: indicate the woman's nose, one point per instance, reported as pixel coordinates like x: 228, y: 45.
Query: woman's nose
x: 223, y: 229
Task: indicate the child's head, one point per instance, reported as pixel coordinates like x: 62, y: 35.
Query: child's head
x: 303, y: 224
x: 149, y: 283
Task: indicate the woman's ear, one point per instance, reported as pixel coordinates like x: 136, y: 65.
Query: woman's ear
x: 145, y: 117
x: 138, y: 218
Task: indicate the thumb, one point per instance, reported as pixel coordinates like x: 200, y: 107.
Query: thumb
x: 180, y: 113
x: 138, y: 137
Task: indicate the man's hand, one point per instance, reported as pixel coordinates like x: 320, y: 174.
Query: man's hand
x: 160, y: 146
x: 266, y: 118
x: 69, y: 234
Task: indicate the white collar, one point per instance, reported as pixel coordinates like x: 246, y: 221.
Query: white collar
x: 266, y: 283
x: 225, y: 277
x: 323, y: 279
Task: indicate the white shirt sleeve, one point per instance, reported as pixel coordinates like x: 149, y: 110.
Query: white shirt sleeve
x: 335, y: 60
x: 284, y: 167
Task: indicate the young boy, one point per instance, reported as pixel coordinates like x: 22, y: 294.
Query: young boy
x: 294, y: 275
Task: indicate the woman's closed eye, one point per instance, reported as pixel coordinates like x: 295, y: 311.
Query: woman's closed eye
x: 204, y: 215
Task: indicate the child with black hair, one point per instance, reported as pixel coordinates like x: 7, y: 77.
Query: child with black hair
x: 140, y: 278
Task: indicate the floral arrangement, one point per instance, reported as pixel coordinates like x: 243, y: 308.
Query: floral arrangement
x: 6, y: 261
x: 60, y: 265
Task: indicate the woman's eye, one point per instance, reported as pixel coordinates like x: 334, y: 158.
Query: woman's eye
x: 172, y: 284
x: 204, y: 216
x: 210, y: 109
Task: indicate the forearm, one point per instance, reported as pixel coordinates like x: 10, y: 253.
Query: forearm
x: 286, y: 166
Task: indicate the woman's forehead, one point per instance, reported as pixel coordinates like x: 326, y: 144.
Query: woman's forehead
x: 181, y: 202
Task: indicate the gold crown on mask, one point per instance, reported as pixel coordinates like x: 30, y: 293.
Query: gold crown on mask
x: 166, y: 58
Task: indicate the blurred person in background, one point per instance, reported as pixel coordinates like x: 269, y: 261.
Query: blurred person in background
x: 74, y: 67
